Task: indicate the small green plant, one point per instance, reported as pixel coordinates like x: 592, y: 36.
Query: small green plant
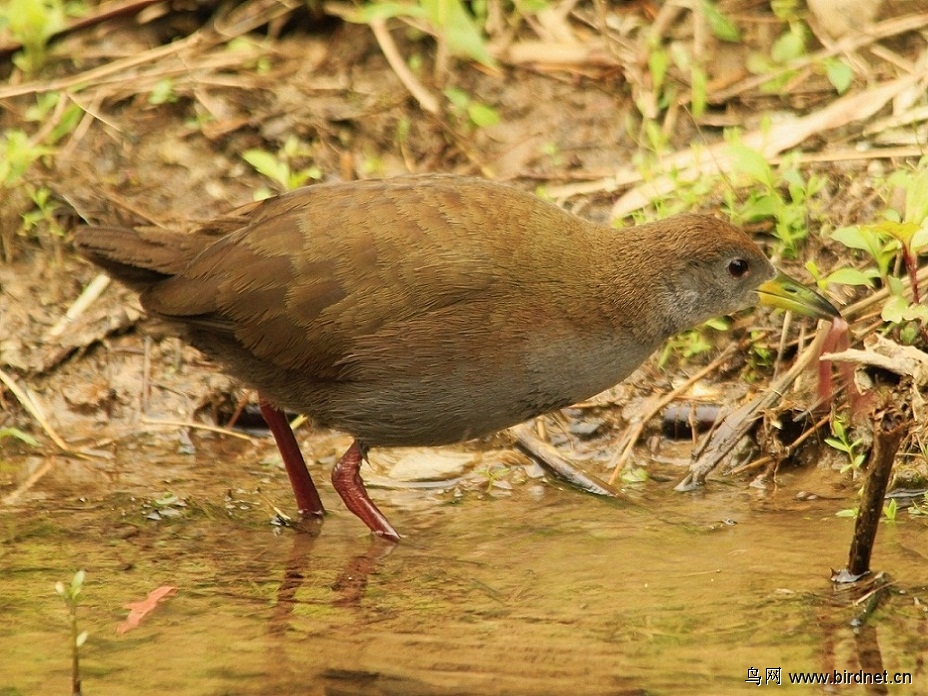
x: 479, y: 115
x: 455, y: 29
x: 163, y: 92
x: 684, y: 345
x: 69, y: 593
x: 18, y: 434
x: 920, y: 509
x: 890, y: 510
x: 43, y: 109
x: 43, y: 214
x: 841, y: 441
x: 279, y: 167
x: 661, y: 92
x: 719, y: 23
x: 897, y: 236
x: 17, y: 154
x: 760, y: 355
x: 32, y: 23
x: 791, y: 45
x: 553, y: 153
x: 495, y: 476
x: 786, y: 196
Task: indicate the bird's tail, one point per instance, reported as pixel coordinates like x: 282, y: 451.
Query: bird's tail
x: 139, y: 258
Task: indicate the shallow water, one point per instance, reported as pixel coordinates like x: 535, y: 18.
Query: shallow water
x: 543, y: 591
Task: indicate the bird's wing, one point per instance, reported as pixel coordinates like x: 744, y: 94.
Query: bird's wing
x: 312, y: 273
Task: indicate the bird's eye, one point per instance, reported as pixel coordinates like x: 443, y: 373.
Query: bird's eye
x: 738, y: 268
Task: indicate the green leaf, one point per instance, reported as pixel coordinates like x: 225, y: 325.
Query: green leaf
x: 162, y: 92
x: 527, y: 7
x: 458, y: 97
x: 903, y: 231
x: 482, y: 115
x: 920, y: 238
x: 895, y: 285
x: 457, y: 27
x: 699, y: 88
x: 853, y: 237
x: 850, y: 276
x: 891, y: 509
x: 383, y: 10
x: 789, y: 46
x: 762, y: 207
x: 69, y: 120
x: 721, y: 26
x: 19, y: 435
x: 895, y: 308
x: 839, y: 74
x: 752, y: 163
x: 658, y: 62
x: 916, y: 198
x: 268, y: 165
x: 44, y: 103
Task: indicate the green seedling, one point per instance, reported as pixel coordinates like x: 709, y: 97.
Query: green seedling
x: 841, y: 441
x: 691, y: 343
x: 553, y: 153
x: 17, y: 154
x: 787, y: 48
x: 163, y: 92
x: 278, y: 167
x: 18, y: 434
x: 43, y: 214
x: 761, y: 355
x: 32, y: 23
x: 684, y: 346
x: 842, y: 276
x: 45, y: 106
x: 719, y: 23
x: 69, y: 593
x: 455, y: 29
x: 920, y: 509
x: 495, y: 476
x: 896, y: 236
x: 791, y: 46
x: 786, y: 196
x: 462, y: 105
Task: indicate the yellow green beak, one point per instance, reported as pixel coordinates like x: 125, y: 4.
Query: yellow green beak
x: 786, y: 293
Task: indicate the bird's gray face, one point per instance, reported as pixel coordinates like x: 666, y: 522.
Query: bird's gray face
x: 739, y: 280
x: 710, y: 287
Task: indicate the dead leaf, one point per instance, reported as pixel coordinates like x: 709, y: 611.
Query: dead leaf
x: 139, y: 610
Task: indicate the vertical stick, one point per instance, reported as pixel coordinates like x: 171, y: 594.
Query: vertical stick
x: 889, y: 428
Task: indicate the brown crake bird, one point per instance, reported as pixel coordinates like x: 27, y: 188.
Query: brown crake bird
x: 426, y: 310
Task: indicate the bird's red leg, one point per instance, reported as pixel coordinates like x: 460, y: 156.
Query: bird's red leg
x: 307, y: 497
x: 346, y: 478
